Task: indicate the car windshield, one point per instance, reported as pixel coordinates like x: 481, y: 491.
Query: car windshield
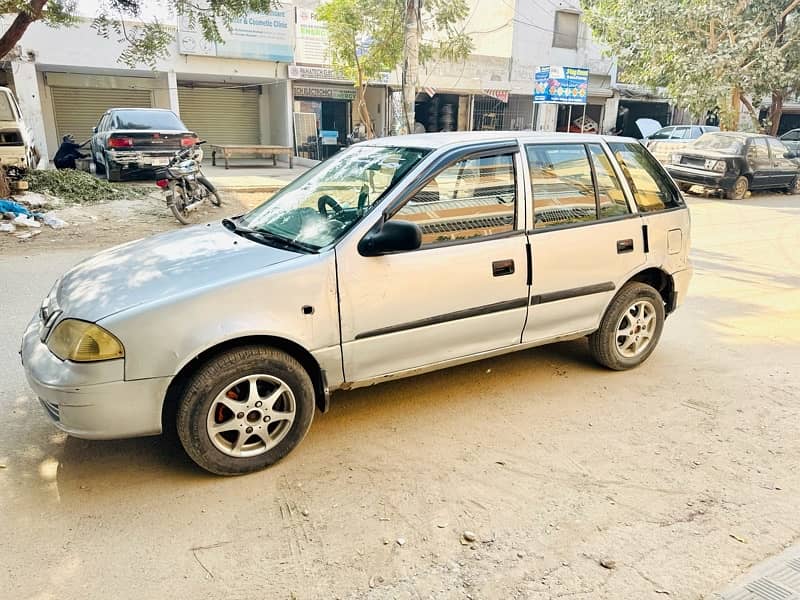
x: 162, y: 120
x: 6, y: 112
x: 318, y: 208
x: 726, y: 144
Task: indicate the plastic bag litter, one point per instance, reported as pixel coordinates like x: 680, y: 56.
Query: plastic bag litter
x: 52, y: 221
x: 26, y: 221
x: 9, y: 206
x: 7, y: 228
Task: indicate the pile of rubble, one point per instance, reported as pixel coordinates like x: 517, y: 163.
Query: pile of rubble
x: 24, y: 216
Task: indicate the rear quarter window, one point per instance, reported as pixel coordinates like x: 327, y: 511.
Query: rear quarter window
x: 652, y: 188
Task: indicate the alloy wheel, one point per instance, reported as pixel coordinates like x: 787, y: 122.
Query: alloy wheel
x: 636, y: 328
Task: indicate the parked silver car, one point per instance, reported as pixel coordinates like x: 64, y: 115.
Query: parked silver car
x: 397, y: 256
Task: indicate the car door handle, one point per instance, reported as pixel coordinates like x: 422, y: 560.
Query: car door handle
x: 624, y: 246
x: 503, y: 267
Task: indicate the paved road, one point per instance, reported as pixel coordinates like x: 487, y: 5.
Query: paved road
x: 683, y: 472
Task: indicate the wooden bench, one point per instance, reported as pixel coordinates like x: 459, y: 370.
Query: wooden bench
x: 229, y: 151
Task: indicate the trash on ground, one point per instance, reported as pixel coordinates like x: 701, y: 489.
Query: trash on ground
x: 26, y: 221
x: 7, y: 228
x: 53, y: 221
x: 9, y: 206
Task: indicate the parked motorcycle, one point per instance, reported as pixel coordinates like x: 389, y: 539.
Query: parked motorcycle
x: 185, y: 187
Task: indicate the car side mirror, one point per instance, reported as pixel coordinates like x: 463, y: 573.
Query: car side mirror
x: 94, y: 129
x: 392, y: 236
x: 790, y: 154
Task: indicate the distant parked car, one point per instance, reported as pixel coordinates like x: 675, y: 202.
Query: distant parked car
x: 736, y: 162
x: 667, y: 140
x: 131, y: 139
x: 791, y: 140
x: 17, y: 153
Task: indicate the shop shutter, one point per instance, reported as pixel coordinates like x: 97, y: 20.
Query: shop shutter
x: 77, y: 110
x: 222, y: 116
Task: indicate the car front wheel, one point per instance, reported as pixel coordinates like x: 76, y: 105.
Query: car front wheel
x: 244, y: 410
x: 739, y: 189
x: 630, y: 329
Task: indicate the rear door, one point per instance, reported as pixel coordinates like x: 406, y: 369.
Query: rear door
x: 760, y: 162
x: 585, y: 238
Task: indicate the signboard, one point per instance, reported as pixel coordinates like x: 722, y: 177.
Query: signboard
x: 311, y: 39
x: 255, y: 36
x: 562, y: 85
x: 315, y: 73
x: 329, y: 93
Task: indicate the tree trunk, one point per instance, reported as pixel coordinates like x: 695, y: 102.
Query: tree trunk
x: 411, y: 66
x: 363, y: 111
x: 775, y: 112
x: 730, y: 120
x: 32, y: 12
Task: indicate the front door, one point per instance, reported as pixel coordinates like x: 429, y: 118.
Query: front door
x: 585, y: 240
x: 784, y: 169
x: 760, y: 163
x: 463, y: 292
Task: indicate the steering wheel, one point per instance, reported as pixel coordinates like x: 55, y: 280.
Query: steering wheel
x: 324, y: 202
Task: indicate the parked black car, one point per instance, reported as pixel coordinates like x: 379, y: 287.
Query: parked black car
x: 736, y: 162
x: 128, y: 139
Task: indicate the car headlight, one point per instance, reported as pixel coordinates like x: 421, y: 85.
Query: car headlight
x: 80, y: 341
x: 675, y: 159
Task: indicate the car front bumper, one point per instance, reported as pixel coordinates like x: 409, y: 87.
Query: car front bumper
x: 709, y: 179
x: 91, y: 400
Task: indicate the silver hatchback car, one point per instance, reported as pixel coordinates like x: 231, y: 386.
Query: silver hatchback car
x: 397, y: 256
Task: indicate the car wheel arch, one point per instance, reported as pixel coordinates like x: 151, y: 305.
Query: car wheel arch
x: 661, y: 281
x: 298, y: 352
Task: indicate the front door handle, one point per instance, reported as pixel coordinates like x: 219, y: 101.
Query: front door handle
x: 624, y: 246
x: 503, y: 267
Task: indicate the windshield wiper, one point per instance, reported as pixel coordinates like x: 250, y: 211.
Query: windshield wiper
x: 265, y: 237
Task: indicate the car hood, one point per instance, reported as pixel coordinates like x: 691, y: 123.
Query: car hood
x: 648, y: 126
x: 161, y: 266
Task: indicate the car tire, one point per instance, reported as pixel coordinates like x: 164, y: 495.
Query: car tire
x: 685, y: 187
x: 227, y: 419
x: 630, y: 328
x: 112, y: 170
x: 794, y: 188
x: 739, y: 189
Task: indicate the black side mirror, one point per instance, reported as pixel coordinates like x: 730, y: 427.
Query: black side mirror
x: 94, y: 129
x: 392, y: 236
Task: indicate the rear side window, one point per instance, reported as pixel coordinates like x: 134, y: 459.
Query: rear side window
x: 611, y: 198
x: 561, y: 182
x: 651, y: 186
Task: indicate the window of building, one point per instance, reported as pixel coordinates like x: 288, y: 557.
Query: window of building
x: 565, y: 34
x: 561, y: 184
x: 610, y: 197
x: 649, y: 183
x: 472, y: 198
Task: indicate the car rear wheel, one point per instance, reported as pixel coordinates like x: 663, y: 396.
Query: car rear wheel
x: 630, y: 329
x: 739, y: 189
x: 112, y: 170
x: 245, y: 410
x: 794, y: 188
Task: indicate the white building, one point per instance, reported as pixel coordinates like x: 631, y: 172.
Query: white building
x: 248, y: 90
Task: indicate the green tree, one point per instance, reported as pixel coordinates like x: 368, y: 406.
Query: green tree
x: 720, y: 54
x: 368, y: 37
x: 143, y: 43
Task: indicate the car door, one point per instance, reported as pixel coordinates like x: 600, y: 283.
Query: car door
x: 586, y: 239
x: 97, y: 138
x: 760, y: 163
x: 463, y: 292
x: 784, y: 169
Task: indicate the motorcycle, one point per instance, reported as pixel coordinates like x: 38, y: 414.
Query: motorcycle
x: 185, y: 187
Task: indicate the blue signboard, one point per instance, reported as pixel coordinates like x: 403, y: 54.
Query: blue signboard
x: 561, y: 85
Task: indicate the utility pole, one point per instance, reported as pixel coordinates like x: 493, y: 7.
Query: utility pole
x: 411, y: 62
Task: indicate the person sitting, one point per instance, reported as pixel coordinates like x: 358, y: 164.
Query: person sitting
x: 68, y: 153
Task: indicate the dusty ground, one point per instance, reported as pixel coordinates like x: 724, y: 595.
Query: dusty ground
x: 683, y: 472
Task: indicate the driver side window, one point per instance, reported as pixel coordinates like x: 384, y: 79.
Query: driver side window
x: 473, y: 198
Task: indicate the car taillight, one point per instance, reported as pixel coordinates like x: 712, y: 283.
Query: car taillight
x: 120, y: 142
x: 188, y: 141
x: 162, y: 183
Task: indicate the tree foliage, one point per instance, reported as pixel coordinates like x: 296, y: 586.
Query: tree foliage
x: 367, y: 37
x: 707, y: 54
x: 144, y: 40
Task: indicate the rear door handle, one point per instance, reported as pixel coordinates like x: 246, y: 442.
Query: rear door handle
x: 503, y: 267
x: 624, y: 246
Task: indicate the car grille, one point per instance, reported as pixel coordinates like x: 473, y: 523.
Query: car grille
x: 691, y: 161
x: 52, y: 409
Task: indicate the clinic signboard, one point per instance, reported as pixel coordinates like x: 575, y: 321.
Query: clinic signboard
x: 561, y: 85
x: 255, y: 36
x: 311, y: 39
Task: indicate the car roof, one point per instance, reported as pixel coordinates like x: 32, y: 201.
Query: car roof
x: 455, y: 138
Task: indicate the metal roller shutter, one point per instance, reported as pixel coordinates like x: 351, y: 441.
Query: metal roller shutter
x: 221, y: 116
x: 77, y: 110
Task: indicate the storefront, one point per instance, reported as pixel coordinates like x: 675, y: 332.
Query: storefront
x: 497, y: 110
x: 332, y: 106
x: 222, y: 114
x: 442, y: 111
